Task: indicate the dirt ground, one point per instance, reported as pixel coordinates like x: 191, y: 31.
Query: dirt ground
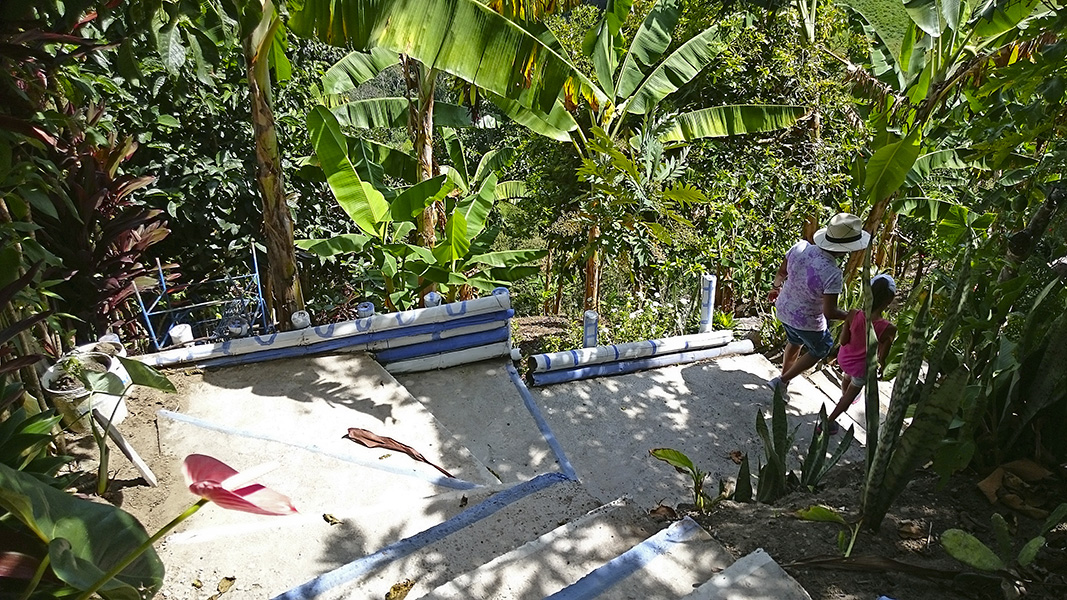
x: 910, y: 533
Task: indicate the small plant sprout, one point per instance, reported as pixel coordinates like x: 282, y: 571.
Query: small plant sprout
x: 683, y: 464
x: 846, y: 538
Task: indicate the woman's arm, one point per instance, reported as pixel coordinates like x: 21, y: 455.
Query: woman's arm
x: 779, y: 279
x: 830, y: 309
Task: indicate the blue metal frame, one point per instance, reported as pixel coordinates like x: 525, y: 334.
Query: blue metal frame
x: 244, y: 306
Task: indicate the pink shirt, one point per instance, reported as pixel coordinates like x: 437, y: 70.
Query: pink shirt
x: 811, y: 272
x: 853, y: 356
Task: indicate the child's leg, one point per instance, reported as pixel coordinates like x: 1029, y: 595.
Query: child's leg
x: 846, y: 380
x: 847, y: 396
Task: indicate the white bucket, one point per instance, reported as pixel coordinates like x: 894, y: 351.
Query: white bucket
x: 180, y: 334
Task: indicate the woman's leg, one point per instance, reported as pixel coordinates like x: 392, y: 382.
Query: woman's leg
x: 801, y: 364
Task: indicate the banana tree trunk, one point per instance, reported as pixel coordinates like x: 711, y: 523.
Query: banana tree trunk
x: 423, y: 140
x: 284, y: 281
x: 592, y: 273
x: 870, y: 225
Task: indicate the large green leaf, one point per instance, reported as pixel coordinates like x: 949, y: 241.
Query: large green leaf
x: 677, y: 70
x: 356, y: 69
x: 721, y: 121
x: 603, y: 43
x: 995, y: 17
x: 394, y: 113
x: 927, y: 15
x: 456, y: 242
x: 650, y: 42
x: 396, y: 162
x: 455, y: 153
x: 364, y: 204
x: 462, y: 37
x: 411, y: 202
x: 888, y: 167
x: 475, y: 208
x: 511, y: 190
x: 507, y: 258
x: 555, y: 125
x: 889, y: 19
x: 142, y: 374
x: 341, y: 244
x: 493, y: 162
x: 84, y: 538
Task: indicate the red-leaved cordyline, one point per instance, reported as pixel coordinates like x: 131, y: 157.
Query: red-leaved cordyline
x: 214, y: 481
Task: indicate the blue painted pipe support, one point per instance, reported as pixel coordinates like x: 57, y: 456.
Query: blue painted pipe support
x: 459, y: 342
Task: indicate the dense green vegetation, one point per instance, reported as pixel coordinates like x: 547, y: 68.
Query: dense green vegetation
x: 585, y: 157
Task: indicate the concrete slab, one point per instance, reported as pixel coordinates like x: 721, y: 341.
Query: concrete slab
x: 479, y: 404
x: 311, y: 402
x: 556, y: 559
x: 666, y: 566
x: 705, y: 410
x: 446, y: 557
x: 753, y: 577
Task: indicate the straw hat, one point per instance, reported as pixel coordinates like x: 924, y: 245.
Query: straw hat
x: 844, y: 234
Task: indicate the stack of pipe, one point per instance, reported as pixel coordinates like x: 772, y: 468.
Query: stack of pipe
x: 571, y: 365
x: 406, y: 341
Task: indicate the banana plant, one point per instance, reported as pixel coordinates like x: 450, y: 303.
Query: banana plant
x: 461, y: 263
x: 524, y: 71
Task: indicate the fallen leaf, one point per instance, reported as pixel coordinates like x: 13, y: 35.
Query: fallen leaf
x: 400, y: 590
x: 463, y: 502
x: 736, y: 456
x: 226, y: 584
x: 385, y: 456
x: 664, y: 513
x: 198, y: 584
x: 911, y: 530
x: 332, y: 520
x: 370, y: 439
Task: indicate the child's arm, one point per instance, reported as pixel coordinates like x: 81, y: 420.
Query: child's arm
x: 884, y: 344
x: 846, y: 329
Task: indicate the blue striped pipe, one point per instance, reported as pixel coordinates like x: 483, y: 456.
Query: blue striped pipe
x: 640, y: 364
x: 405, y: 547
x: 459, y: 342
x: 356, y: 340
x: 542, y: 424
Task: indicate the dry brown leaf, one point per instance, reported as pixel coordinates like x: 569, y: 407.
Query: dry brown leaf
x: 370, y: 439
x: 991, y: 484
x: 399, y: 591
x: 1027, y: 470
x: 226, y: 583
x: 736, y: 456
x: 663, y: 512
x: 911, y: 530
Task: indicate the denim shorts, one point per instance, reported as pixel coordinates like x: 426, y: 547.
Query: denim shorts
x: 818, y: 343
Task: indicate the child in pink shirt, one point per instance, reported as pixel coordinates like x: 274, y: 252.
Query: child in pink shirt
x: 852, y: 357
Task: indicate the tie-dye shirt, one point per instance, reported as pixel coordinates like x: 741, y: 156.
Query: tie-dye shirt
x: 811, y: 272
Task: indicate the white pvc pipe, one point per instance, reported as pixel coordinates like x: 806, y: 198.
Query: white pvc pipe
x: 450, y: 359
x: 570, y: 359
x: 311, y: 335
x: 707, y: 303
x: 589, y: 328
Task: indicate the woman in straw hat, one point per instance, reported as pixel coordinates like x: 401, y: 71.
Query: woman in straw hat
x: 805, y: 293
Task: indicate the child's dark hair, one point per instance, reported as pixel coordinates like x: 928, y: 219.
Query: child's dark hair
x: 881, y: 293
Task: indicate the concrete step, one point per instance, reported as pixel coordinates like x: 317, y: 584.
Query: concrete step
x: 753, y: 576
x: 555, y: 560
x: 481, y: 406
x: 666, y: 566
x: 432, y: 557
x: 311, y: 402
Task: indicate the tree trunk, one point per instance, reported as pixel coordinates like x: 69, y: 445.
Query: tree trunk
x: 1021, y: 245
x: 423, y: 140
x: 870, y: 225
x: 547, y: 304
x: 591, y: 299
x: 883, y: 255
x: 287, y: 296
